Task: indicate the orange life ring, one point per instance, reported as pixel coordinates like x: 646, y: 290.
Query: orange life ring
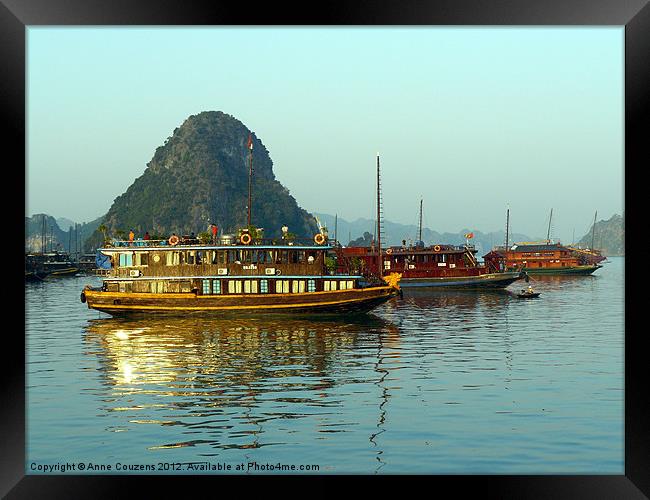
x: 173, y: 240
x: 319, y: 239
x: 245, y: 239
x: 389, y: 251
x: 437, y: 248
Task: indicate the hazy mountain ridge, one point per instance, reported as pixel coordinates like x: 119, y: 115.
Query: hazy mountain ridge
x: 53, y: 236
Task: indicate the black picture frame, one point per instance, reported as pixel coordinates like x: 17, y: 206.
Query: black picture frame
x: 17, y: 15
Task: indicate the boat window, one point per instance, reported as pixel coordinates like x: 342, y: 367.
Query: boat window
x: 207, y: 289
x: 311, y: 285
x: 342, y: 285
x: 245, y: 256
x: 282, y: 286
x: 138, y: 257
x: 216, y: 286
x: 199, y: 256
x: 191, y: 257
x: 350, y: 284
x: 301, y: 256
x: 264, y: 286
x: 298, y: 286
x: 234, y: 286
x: 250, y: 286
x: 126, y: 259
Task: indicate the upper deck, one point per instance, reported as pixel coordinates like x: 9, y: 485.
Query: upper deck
x: 261, y: 257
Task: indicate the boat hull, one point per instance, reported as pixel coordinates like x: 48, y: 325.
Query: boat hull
x: 68, y: 271
x: 333, y: 302
x: 491, y: 280
x: 574, y: 270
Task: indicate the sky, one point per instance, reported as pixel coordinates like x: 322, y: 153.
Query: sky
x: 472, y: 120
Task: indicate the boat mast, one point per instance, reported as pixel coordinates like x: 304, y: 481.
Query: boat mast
x: 593, y: 231
x: 548, y: 234
x: 381, y: 264
x: 507, y: 226
x: 336, y: 220
x: 420, y: 231
x: 250, y: 175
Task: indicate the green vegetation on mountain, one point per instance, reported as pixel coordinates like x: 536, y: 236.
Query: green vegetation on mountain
x: 200, y: 175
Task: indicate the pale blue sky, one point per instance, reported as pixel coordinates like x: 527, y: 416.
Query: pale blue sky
x: 471, y: 119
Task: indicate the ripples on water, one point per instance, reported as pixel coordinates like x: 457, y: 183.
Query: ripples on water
x: 437, y: 382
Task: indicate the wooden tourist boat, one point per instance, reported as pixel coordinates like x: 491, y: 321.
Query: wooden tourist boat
x: 540, y: 257
x: 250, y: 275
x: 545, y: 257
x: 433, y: 266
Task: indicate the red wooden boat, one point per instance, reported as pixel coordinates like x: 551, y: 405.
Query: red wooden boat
x: 433, y: 266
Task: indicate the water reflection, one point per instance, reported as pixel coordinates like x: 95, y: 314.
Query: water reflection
x: 223, y: 379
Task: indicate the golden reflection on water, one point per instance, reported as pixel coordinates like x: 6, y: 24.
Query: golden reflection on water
x: 200, y: 367
x: 154, y: 351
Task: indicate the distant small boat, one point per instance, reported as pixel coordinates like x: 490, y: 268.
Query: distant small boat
x: 39, y: 266
x: 527, y: 294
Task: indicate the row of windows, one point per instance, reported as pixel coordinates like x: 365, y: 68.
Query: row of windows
x: 212, y: 286
x: 217, y: 286
x: 171, y: 258
x: 422, y: 258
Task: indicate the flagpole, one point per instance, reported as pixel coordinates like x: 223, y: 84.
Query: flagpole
x: 250, y: 176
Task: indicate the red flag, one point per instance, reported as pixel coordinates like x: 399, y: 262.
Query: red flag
x: 249, y: 145
x: 469, y: 235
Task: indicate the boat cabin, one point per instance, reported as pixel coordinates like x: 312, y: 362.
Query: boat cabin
x: 420, y: 261
x: 536, y: 256
x: 222, y: 269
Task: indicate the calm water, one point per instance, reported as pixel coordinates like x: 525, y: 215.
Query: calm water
x: 438, y: 382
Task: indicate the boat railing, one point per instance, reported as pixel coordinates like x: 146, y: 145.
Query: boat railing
x: 443, y: 248
x: 189, y: 241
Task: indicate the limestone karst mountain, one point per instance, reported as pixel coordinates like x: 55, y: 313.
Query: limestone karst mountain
x: 200, y: 175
